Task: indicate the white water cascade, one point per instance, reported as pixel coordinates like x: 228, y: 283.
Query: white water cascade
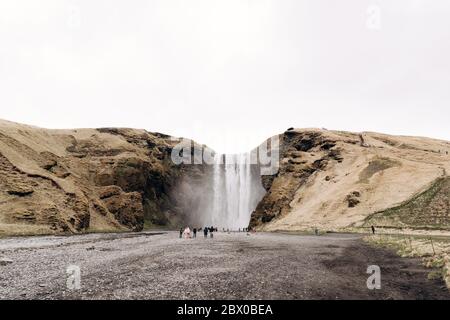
x: 237, y: 189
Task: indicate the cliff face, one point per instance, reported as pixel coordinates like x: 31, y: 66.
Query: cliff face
x: 54, y: 181
x: 110, y: 179
x: 334, y: 180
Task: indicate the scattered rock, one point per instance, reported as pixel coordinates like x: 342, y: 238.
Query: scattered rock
x: 5, y: 261
x: 19, y: 190
x: 352, y: 199
x: 109, y: 191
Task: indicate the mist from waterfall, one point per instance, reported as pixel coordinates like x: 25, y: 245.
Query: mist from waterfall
x: 237, y: 189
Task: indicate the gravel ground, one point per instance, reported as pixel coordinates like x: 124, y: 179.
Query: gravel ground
x: 152, y: 265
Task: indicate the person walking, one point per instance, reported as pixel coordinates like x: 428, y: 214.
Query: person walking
x: 373, y: 229
x: 211, y: 231
x: 181, y: 233
x: 195, y: 232
x: 205, y: 232
x: 187, y: 233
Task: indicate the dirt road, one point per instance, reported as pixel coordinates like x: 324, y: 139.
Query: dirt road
x: 230, y: 266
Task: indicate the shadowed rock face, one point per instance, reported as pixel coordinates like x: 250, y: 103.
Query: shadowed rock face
x: 108, y: 179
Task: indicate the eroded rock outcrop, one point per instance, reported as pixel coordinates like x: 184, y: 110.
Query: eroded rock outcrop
x: 107, y: 179
x: 301, y: 155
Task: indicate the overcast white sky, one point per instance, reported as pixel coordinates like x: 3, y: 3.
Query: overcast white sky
x: 228, y: 73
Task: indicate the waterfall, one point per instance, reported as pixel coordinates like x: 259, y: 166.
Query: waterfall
x: 237, y: 190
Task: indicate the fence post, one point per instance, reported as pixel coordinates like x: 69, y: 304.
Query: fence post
x: 432, y: 245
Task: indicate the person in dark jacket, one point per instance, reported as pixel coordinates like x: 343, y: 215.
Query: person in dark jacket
x: 373, y: 229
x: 195, y: 232
x: 181, y: 232
x: 205, y: 232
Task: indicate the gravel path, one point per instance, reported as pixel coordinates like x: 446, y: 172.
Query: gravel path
x: 231, y: 266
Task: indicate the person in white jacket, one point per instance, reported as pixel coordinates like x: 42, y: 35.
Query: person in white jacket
x: 187, y: 233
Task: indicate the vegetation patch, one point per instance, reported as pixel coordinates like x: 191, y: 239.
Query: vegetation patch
x: 377, y: 165
x: 427, y: 210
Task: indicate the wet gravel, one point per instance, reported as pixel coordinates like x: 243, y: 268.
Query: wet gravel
x: 153, y: 265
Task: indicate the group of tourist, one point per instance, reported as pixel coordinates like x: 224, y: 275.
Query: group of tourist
x: 187, y: 233
x: 239, y: 230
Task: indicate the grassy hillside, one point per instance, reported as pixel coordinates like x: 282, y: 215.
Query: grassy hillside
x: 336, y: 180
x: 429, y: 209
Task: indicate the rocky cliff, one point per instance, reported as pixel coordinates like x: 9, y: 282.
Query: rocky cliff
x: 109, y: 179
x: 112, y: 179
x: 336, y: 180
